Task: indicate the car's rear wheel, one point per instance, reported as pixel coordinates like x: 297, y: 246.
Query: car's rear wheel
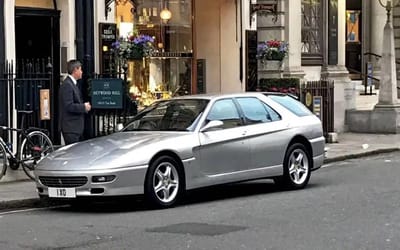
x: 296, y: 167
x: 164, y: 182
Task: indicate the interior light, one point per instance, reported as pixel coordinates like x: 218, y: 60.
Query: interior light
x: 165, y: 15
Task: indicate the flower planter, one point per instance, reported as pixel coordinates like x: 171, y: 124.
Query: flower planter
x: 270, y: 65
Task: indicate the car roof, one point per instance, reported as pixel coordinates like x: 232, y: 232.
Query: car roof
x: 210, y: 96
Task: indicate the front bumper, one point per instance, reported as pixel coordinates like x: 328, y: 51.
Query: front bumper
x: 128, y: 181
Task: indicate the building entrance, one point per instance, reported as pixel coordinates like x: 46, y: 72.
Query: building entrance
x: 37, y: 48
x: 354, y: 38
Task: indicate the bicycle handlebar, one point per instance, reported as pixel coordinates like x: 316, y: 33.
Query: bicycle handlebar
x: 10, y: 129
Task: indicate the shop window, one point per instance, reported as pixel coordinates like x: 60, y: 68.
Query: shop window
x: 311, y: 32
x: 167, y: 70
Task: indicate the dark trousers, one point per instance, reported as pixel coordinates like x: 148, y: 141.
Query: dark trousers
x: 70, y: 138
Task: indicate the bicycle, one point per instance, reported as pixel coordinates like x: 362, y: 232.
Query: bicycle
x: 33, y: 145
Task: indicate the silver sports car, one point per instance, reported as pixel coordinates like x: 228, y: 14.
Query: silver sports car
x: 191, y: 142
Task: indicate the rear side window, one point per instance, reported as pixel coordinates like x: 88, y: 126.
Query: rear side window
x: 292, y: 105
x: 256, y: 111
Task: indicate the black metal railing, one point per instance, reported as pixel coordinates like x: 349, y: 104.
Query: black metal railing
x: 20, y: 87
x: 324, y: 89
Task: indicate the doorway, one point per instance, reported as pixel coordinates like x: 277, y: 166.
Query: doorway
x: 354, y: 38
x: 37, y: 48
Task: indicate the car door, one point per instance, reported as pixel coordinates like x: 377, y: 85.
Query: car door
x: 224, y: 151
x: 265, y: 132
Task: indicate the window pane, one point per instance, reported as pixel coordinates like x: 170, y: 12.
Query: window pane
x: 291, y: 104
x: 253, y: 110
x: 225, y: 110
x: 311, y: 33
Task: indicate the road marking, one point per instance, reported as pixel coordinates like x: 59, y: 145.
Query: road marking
x: 31, y: 209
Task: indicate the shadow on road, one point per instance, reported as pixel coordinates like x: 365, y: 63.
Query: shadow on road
x: 193, y: 197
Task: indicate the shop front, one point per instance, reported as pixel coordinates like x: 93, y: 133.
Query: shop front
x: 155, y: 47
x: 177, y: 47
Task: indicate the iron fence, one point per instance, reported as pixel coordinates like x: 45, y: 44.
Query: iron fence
x: 20, y: 90
x: 318, y: 96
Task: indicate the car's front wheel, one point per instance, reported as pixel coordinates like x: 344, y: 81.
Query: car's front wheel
x: 296, y: 167
x: 164, y: 182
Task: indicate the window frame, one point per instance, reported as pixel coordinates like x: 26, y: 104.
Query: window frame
x: 315, y: 16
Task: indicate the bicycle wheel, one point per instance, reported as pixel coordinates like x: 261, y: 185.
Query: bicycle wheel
x: 3, y: 161
x: 34, y: 147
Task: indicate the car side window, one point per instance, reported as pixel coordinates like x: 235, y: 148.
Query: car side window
x: 225, y: 111
x: 273, y: 114
x: 256, y: 111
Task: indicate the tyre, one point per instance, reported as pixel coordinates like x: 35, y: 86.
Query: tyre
x: 296, y: 168
x: 34, y: 148
x: 3, y: 161
x: 164, y: 182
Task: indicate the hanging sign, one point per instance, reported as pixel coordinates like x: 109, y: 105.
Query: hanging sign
x: 107, y: 93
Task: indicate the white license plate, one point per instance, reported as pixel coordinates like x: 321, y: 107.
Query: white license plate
x: 62, y: 192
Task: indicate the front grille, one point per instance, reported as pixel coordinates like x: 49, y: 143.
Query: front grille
x: 54, y: 181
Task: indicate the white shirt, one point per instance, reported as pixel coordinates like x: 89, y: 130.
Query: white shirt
x: 73, y: 79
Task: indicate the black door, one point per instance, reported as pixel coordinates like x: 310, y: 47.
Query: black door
x: 37, y: 42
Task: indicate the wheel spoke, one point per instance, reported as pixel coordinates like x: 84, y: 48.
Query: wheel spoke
x: 299, y: 157
x: 168, y: 172
x: 159, y: 187
x: 160, y: 175
x: 292, y: 169
x: 166, y: 193
x: 296, y: 176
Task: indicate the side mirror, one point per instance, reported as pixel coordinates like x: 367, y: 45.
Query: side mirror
x: 120, y: 126
x: 212, y: 125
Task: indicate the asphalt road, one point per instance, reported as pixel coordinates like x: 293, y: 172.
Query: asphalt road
x: 347, y: 205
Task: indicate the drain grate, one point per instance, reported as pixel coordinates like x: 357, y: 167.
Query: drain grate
x: 202, y: 229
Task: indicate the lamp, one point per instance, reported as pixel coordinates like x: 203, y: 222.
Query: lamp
x: 165, y: 14
x: 389, y: 6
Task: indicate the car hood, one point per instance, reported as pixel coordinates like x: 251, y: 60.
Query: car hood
x: 106, y: 152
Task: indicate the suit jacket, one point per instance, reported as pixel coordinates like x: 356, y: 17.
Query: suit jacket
x: 72, y: 108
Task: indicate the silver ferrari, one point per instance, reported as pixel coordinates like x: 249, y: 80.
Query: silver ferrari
x: 191, y: 142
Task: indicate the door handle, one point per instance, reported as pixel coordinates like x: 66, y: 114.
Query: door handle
x: 244, y: 132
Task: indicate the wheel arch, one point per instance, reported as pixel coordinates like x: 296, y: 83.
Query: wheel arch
x: 175, y: 157
x: 302, y: 140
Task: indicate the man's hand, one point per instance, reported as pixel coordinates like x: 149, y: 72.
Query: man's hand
x: 88, y: 107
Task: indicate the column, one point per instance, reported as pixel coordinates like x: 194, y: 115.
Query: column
x: 9, y: 31
x: 378, y: 20
x: 344, y: 92
x: 293, y: 37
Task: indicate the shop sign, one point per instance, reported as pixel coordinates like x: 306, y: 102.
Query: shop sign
x: 370, y: 72
x: 317, y: 106
x: 264, y: 7
x: 107, y: 93
x: 108, y: 31
x: 44, y: 104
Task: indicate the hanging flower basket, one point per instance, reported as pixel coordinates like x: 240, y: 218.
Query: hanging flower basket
x: 133, y: 47
x: 270, y: 54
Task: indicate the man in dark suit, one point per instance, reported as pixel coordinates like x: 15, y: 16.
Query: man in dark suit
x: 72, y: 108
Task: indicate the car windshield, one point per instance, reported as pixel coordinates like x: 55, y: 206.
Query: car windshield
x: 169, y: 115
x: 291, y: 104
